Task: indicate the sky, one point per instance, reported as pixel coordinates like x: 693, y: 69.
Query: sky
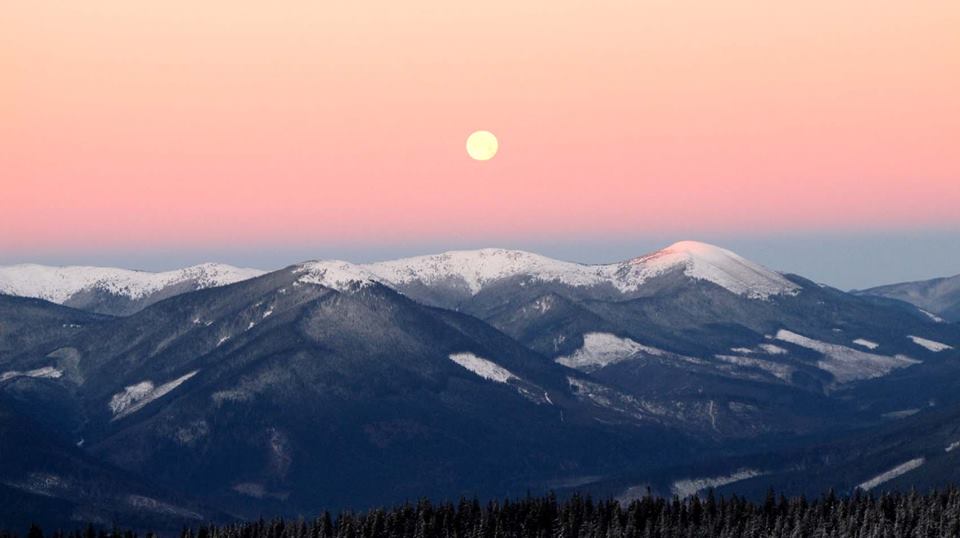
x: 817, y: 137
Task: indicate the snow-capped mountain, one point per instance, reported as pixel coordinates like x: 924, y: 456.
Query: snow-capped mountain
x: 709, y: 263
x: 110, y: 290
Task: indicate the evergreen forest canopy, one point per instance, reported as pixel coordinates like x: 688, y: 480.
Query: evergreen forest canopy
x: 912, y: 514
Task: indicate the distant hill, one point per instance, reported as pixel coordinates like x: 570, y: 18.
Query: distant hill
x: 939, y: 296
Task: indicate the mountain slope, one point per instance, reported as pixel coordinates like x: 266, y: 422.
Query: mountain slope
x: 284, y: 394
x: 27, y: 323
x: 45, y: 479
x: 915, y: 452
x: 939, y: 296
x: 113, y: 291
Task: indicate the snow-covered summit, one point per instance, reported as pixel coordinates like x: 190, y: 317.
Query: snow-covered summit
x: 708, y: 262
x: 335, y: 274
x: 59, y: 284
x: 479, y: 267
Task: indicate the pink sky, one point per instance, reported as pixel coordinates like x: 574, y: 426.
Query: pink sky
x: 215, y: 123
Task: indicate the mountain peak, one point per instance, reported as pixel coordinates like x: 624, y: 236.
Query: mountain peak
x: 698, y: 248
x: 723, y: 267
x: 689, y: 251
x: 335, y: 274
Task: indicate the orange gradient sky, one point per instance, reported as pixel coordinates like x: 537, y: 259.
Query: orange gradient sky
x: 183, y: 123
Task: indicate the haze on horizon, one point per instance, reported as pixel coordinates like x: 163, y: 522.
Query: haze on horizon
x: 818, y: 138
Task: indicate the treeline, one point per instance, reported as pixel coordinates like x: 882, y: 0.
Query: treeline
x: 935, y: 514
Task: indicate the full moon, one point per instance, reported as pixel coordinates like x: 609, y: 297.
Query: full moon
x: 482, y: 145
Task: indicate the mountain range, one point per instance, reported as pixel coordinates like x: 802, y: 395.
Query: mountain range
x: 215, y: 392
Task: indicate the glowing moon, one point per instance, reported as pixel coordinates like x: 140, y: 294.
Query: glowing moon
x: 482, y: 145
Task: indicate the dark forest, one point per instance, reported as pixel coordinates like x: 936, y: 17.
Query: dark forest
x: 911, y: 514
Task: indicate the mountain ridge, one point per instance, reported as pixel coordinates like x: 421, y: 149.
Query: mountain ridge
x: 940, y: 297
x: 474, y: 268
x: 110, y: 290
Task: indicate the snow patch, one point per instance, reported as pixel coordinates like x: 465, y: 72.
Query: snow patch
x: 604, y: 396
x: 903, y: 413
x: 492, y: 371
x: 543, y: 304
x: 136, y: 397
x: 634, y: 493
x: 602, y: 349
x: 482, y: 367
x: 46, y: 484
x: 866, y: 343
x: 847, y: 364
x: 47, y: 372
x: 780, y: 371
x: 692, y: 486
x: 772, y: 349
x: 931, y: 345
x: 231, y: 395
x: 150, y: 504
x: 899, y: 470
x: 932, y: 316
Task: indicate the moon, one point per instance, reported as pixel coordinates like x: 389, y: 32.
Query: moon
x: 482, y: 145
